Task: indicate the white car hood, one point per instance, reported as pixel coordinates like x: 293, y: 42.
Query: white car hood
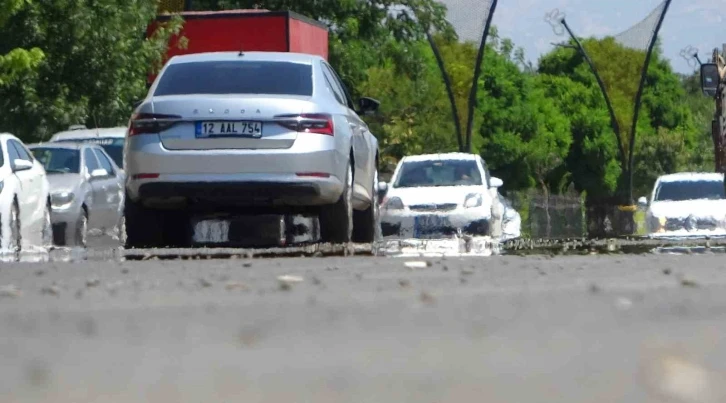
x: 435, y: 195
x: 682, y: 209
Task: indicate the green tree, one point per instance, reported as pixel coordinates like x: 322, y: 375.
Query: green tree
x: 16, y: 62
x: 414, y: 116
x: 96, y: 61
x: 596, y: 159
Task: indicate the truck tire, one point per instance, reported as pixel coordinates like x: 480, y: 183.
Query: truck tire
x: 336, y: 220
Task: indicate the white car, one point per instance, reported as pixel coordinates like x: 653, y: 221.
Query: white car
x: 686, y: 204
x: 435, y: 195
x: 24, y: 198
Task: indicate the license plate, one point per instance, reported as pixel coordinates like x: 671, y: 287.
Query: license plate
x: 430, y: 225
x: 226, y: 129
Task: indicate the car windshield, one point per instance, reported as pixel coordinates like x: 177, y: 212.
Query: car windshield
x: 236, y: 77
x: 438, y: 173
x: 690, y: 190
x: 58, y: 160
x: 114, y: 146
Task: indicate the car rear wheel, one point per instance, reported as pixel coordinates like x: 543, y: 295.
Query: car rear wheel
x: 336, y: 221
x: 366, y: 223
x: 143, y: 228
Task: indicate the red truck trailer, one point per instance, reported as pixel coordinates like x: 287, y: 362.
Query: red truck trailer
x: 248, y: 30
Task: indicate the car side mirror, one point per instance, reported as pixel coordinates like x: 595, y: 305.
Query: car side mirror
x: 99, y: 173
x: 495, y: 182
x: 642, y: 202
x: 368, y: 106
x: 710, y: 79
x: 382, y: 189
x: 21, y: 165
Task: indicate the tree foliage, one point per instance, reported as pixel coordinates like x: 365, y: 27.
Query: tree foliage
x: 94, y: 65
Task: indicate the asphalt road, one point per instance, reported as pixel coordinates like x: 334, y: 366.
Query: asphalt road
x: 627, y: 328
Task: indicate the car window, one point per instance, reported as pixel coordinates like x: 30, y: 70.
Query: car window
x: 12, y: 152
x: 333, y: 85
x: 58, y: 160
x: 90, y: 160
x: 21, y: 152
x: 341, y: 85
x: 439, y: 173
x: 236, y: 77
x: 105, y: 163
x: 487, y: 174
x: 690, y: 190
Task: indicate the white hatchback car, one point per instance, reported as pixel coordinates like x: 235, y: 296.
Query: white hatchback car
x: 686, y: 204
x: 443, y: 194
x: 24, y: 198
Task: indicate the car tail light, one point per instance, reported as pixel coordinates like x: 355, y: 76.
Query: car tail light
x: 145, y: 123
x: 320, y: 123
x: 145, y: 176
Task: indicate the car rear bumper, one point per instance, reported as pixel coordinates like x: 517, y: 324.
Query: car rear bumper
x: 236, y: 190
x: 308, y: 173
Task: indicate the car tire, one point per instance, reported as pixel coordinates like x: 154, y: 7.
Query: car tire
x: 81, y: 232
x: 46, y: 232
x: 175, y: 229
x: 14, y: 237
x: 121, y: 229
x: 336, y: 220
x: 366, y: 223
x: 143, y: 228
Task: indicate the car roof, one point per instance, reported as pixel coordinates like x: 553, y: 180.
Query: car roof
x: 440, y: 156
x: 83, y: 134
x: 691, y: 176
x: 70, y: 146
x: 256, y: 56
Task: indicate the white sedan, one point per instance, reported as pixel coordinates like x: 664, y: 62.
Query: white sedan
x: 435, y: 195
x: 24, y: 198
x: 686, y: 204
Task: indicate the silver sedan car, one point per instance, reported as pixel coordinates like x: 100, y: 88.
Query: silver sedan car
x: 86, y: 192
x: 249, y: 133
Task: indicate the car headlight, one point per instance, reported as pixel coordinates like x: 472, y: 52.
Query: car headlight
x: 394, y: 203
x: 61, y: 198
x: 473, y: 200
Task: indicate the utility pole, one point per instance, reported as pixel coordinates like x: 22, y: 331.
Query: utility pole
x: 713, y: 83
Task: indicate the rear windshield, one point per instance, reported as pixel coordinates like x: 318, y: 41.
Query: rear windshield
x: 236, y: 77
x: 690, y: 190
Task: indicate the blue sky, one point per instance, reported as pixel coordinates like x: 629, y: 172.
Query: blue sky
x: 697, y: 23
